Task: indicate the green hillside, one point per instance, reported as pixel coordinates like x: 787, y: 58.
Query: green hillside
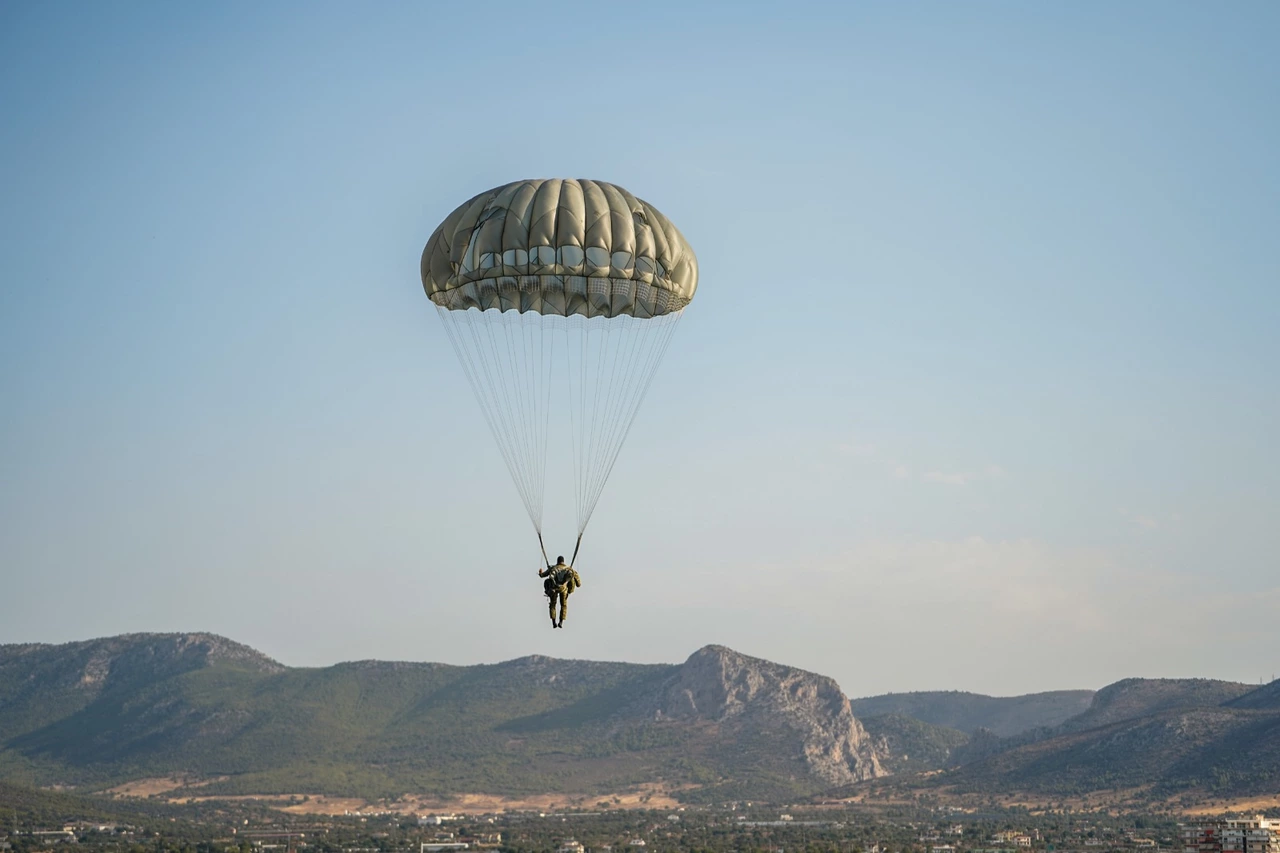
x: 1265, y: 697
x: 1138, y: 697
x: 907, y: 745
x: 721, y: 726
x: 94, y: 715
x: 1167, y: 735
x: 367, y: 728
x: 968, y: 712
x: 1224, y: 751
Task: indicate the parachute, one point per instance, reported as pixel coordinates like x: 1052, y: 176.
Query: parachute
x: 567, y: 286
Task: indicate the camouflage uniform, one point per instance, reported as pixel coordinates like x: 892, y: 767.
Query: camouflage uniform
x: 560, y: 581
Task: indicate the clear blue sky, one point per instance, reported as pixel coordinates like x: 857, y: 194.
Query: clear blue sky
x: 979, y: 390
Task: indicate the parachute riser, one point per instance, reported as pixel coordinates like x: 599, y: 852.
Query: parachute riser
x: 544, y: 549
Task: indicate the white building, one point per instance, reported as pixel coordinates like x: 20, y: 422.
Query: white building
x: 1236, y: 835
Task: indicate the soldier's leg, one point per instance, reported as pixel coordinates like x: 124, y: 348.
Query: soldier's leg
x: 564, y: 606
x: 551, y: 607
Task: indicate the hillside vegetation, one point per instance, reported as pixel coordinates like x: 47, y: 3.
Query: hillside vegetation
x: 1264, y: 698
x: 968, y: 712
x: 1222, y: 751
x: 906, y: 745
x: 1169, y: 736
x: 721, y: 726
x: 1138, y: 697
x: 100, y: 713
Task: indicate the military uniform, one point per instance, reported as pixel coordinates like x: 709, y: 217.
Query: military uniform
x: 561, y: 580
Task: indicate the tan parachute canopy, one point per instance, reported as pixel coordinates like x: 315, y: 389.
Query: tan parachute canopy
x: 559, y: 295
x: 560, y: 247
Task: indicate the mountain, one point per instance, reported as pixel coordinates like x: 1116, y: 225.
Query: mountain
x: 1165, y: 735
x: 102, y: 712
x: 768, y: 710
x: 968, y: 712
x: 1138, y: 697
x: 39, y: 683
x: 1220, y: 751
x: 225, y: 719
x: 907, y: 745
x: 1265, y: 697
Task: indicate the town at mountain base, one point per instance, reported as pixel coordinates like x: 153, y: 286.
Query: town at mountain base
x: 215, y: 719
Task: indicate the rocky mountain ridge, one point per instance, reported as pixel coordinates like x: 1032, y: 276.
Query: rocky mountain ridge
x: 131, y: 656
x: 1186, y: 738
x: 721, y: 685
x: 101, y: 712
x: 1130, y: 698
x: 720, y: 726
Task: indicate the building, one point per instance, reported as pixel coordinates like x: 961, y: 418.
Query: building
x: 1012, y: 836
x: 1234, y: 835
x: 435, y: 819
x: 54, y: 836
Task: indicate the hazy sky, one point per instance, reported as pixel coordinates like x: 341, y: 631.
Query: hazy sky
x: 979, y: 390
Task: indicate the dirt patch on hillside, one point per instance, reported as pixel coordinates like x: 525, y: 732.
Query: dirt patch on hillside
x: 651, y: 796
x: 1243, y: 805
x: 142, y: 788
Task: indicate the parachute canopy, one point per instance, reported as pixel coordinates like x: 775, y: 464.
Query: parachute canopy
x: 560, y: 247
x: 521, y: 267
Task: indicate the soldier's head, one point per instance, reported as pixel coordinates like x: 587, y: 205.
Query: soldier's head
x: 560, y: 559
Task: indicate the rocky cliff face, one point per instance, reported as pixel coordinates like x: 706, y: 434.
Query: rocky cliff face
x: 756, y: 697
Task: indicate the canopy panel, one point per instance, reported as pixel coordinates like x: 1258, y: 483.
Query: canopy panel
x: 559, y: 247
